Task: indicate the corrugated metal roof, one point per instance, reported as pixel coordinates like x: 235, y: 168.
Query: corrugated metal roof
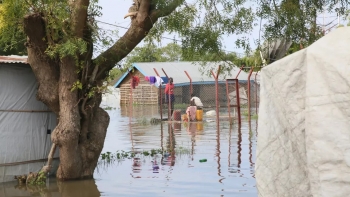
x: 176, y: 71
x: 13, y: 59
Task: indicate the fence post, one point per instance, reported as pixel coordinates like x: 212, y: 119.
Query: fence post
x: 216, y: 77
x: 169, y: 98
x: 239, y: 72
x: 160, y: 96
x: 131, y: 100
x: 250, y: 74
x: 238, y: 103
x: 256, y: 94
x: 237, y: 99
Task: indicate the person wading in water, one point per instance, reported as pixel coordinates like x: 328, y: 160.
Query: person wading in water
x: 169, y: 92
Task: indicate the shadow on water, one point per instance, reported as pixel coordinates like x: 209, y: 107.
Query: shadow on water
x: 228, y: 169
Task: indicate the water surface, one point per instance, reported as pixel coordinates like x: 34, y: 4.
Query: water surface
x: 228, y: 171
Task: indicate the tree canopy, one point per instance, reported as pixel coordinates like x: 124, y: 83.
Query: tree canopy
x: 14, y: 44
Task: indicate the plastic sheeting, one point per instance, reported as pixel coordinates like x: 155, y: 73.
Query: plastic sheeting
x: 23, y: 135
x: 303, y: 144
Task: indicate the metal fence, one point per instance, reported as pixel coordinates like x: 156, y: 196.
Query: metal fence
x: 207, y: 93
x: 222, y: 97
x: 216, y: 96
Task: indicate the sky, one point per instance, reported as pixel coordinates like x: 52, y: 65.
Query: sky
x: 114, y: 11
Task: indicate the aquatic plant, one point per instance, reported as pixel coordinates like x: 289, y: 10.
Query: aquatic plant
x: 109, y: 108
x: 121, y: 155
x: 142, y: 121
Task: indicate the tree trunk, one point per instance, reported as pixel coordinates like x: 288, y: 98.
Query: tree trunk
x: 80, y: 133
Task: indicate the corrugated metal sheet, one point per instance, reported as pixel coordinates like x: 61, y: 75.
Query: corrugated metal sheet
x: 176, y: 71
x: 13, y: 59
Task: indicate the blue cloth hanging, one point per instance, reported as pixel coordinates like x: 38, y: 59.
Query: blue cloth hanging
x: 165, y: 80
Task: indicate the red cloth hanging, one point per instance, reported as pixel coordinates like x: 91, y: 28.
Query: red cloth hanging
x: 135, y: 81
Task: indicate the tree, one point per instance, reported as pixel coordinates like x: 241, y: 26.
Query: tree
x: 147, y: 53
x: 296, y: 20
x: 61, y: 36
x: 174, y: 52
x: 151, y: 53
x: 15, y: 45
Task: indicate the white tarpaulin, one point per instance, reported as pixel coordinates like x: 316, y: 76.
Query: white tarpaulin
x: 23, y: 135
x: 303, y: 144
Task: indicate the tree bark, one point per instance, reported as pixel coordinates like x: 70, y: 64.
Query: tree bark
x: 46, y: 70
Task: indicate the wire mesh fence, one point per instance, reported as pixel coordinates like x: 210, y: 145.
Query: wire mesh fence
x: 223, y: 97
x: 226, y: 96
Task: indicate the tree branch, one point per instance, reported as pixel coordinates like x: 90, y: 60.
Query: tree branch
x: 48, y: 166
x: 79, y: 16
x: 136, y: 33
x: 167, y: 10
x: 143, y: 11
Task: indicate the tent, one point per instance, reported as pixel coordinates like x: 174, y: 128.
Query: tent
x: 25, y: 122
x: 303, y: 146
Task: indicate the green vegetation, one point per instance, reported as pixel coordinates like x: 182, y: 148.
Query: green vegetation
x: 142, y: 121
x: 180, y: 106
x: 109, y: 108
x: 110, y: 157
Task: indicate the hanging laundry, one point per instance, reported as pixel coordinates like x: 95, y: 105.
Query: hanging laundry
x: 135, y: 81
x: 159, y: 81
x: 165, y: 80
x: 152, y: 79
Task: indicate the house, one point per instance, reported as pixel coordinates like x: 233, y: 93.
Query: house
x: 203, y: 84
x: 25, y: 122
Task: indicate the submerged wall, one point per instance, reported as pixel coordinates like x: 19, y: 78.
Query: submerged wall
x: 303, y: 144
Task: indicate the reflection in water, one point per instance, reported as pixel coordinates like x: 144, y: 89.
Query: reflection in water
x: 256, y: 127
x: 172, y: 144
x: 84, y: 188
x: 177, y: 126
x: 239, y: 147
x: 229, y: 145
x: 218, y: 153
x: 136, y: 166
x: 192, y: 131
x: 250, y: 144
x: 81, y: 188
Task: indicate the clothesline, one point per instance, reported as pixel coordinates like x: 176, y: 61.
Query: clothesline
x: 157, y: 81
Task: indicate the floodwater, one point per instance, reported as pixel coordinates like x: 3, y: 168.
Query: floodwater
x: 228, y: 171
